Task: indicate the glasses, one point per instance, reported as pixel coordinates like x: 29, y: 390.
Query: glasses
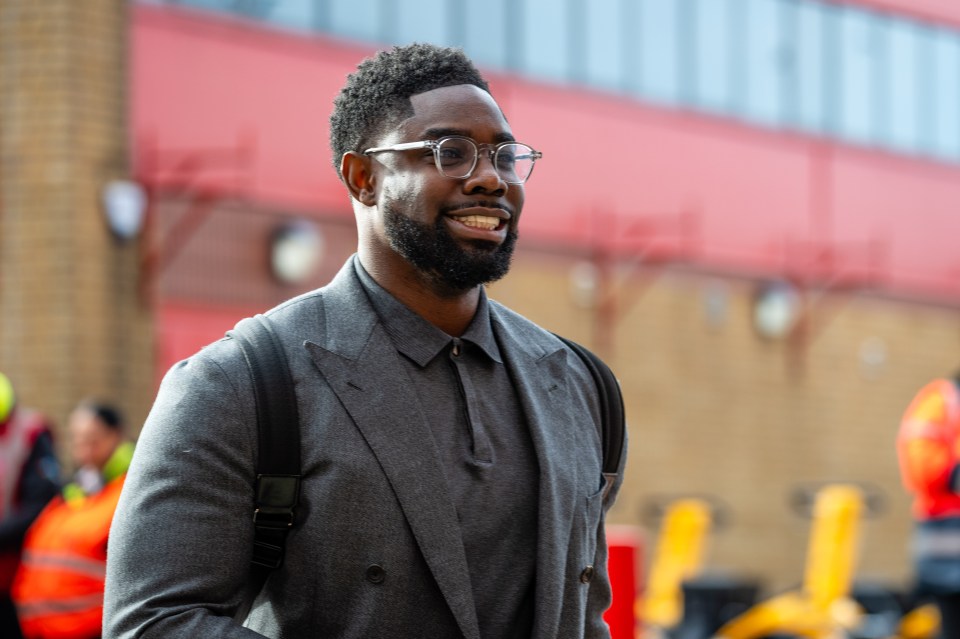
x: 456, y: 157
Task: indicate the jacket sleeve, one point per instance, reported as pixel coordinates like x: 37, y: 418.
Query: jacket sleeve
x: 37, y: 486
x: 180, y: 544
x: 927, y: 442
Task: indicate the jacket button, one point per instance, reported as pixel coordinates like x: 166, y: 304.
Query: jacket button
x: 587, y: 575
x: 376, y: 574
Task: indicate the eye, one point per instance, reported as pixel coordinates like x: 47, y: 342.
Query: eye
x: 450, y: 154
x: 506, y: 159
x: 455, y: 152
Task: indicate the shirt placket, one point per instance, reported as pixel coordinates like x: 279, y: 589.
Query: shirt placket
x: 480, y: 441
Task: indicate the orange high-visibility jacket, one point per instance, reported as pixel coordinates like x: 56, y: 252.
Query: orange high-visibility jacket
x: 59, y: 587
x: 928, y: 447
x: 18, y: 437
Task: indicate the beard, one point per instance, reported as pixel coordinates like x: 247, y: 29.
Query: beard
x: 434, y: 251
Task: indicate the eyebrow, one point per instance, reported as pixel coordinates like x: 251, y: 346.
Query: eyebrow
x: 439, y: 132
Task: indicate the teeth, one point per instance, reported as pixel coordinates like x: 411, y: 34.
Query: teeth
x: 479, y: 221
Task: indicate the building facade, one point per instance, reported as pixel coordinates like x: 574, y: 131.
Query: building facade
x: 748, y: 207
x: 72, y: 323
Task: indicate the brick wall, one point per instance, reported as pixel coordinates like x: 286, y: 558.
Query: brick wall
x: 72, y: 323
x: 716, y: 410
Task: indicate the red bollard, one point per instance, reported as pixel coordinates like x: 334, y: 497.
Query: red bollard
x: 625, y: 565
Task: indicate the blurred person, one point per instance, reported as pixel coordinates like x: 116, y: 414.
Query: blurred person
x: 452, y: 480
x: 58, y: 590
x: 928, y: 447
x: 29, y: 474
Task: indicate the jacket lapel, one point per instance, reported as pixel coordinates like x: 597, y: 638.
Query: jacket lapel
x: 541, y: 382
x: 361, y: 366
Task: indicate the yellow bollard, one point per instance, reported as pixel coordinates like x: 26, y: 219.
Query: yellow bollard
x: 834, y: 545
x: 678, y: 556
x: 823, y: 607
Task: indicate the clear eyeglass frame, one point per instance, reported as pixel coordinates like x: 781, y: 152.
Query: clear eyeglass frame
x: 523, y: 155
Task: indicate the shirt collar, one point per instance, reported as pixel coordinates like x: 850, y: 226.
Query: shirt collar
x: 417, y: 338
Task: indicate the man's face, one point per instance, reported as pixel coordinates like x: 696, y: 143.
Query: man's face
x: 458, y: 232
x: 92, y: 442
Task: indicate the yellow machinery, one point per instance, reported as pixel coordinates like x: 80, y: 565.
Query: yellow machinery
x: 822, y: 607
x: 678, y: 556
x: 922, y: 622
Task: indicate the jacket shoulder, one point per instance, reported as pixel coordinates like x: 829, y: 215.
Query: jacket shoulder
x: 524, y: 328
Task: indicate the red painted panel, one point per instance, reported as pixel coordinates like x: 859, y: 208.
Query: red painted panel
x: 625, y: 566
x: 934, y: 11
x: 186, y: 328
x: 200, y: 83
x: 918, y: 221
x: 635, y: 177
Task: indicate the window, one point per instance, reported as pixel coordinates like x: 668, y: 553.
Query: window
x: 818, y: 66
x: 946, y: 95
x: 860, y: 63
x: 659, y: 51
x: 491, y: 46
x: 605, y: 42
x: 766, y: 54
x: 925, y: 101
x: 546, y: 39
x: 714, y: 61
x: 355, y: 19
x: 423, y: 21
x: 293, y: 14
x: 901, y: 91
x: 808, y: 110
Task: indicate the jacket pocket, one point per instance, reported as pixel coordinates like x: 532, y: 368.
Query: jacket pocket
x: 590, y: 521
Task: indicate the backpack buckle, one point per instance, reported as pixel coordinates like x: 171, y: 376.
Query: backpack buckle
x: 273, y: 519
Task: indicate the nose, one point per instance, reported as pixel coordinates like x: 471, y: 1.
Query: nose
x: 485, y: 177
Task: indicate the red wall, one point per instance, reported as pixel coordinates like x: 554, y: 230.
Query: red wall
x: 184, y: 328
x: 947, y: 11
x: 614, y: 170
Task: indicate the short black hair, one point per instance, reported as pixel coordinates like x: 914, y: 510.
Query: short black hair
x: 377, y: 95
x: 107, y: 414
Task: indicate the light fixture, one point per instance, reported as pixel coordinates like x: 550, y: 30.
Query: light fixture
x: 873, y: 357
x: 125, y: 207
x: 776, y: 309
x: 295, y: 251
x: 584, y: 283
x: 715, y: 300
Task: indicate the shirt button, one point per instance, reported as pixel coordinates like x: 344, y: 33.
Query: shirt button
x: 587, y: 575
x: 376, y: 574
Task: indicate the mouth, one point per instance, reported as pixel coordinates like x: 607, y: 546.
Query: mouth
x: 482, y: 222
x: 480, y: 216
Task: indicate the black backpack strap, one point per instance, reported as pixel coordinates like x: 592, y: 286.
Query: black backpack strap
x: 613, y: 426
x: 278, y: 428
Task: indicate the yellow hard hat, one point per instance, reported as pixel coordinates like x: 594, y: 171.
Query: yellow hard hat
x: 7, y: 398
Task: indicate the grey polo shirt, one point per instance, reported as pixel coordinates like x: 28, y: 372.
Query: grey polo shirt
x: 465, y: 394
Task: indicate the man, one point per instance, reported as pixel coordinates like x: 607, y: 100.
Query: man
x: 28, y: 480
x: 59, y: 587
x: 450, y: 450
x: 928, y: 445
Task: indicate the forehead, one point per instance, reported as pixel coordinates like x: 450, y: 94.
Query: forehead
x: 462, y: 109
x: 85, y: 422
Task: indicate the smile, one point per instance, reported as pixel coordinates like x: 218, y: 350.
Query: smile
x: 483, y: 222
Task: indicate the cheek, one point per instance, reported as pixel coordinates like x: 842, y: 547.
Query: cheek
x: 516, y: 199
x: 82, y: 452
x: 411, y: 194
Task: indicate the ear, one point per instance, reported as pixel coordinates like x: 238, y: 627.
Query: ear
x: 356, y: 172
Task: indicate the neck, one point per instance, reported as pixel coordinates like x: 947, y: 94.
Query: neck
x: 452, y: 315
x: 449, y: 310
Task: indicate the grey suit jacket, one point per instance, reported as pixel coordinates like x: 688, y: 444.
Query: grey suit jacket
x: 377, y: 550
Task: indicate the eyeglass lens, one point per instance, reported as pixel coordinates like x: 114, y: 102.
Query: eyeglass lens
x: 457, y: 157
